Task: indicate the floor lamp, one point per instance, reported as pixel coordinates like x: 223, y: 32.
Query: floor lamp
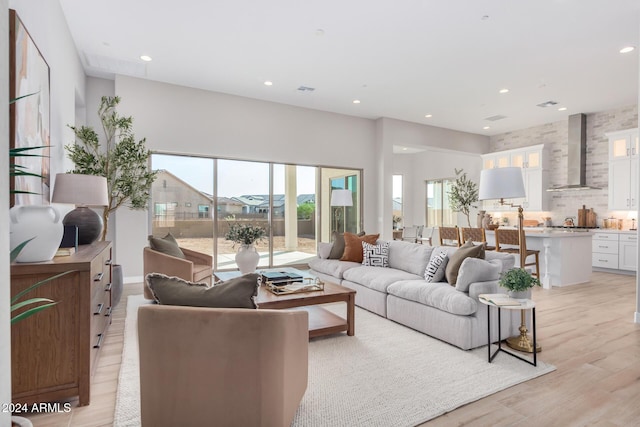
x: 500, y: 184
x: 341, y: 198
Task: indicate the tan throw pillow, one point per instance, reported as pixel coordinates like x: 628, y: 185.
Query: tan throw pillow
x: 167, y: 245
x: 353, y: 246
x: 235, y: 293
x: 468, y: 250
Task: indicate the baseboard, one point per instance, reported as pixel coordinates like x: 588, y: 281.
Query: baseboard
x: 637, y: 317
x: 133, y: 279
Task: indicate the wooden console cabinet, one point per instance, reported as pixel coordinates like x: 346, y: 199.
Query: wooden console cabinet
x: 54, y: 353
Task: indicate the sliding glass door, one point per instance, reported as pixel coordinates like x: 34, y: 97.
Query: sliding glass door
x: 197, y: 199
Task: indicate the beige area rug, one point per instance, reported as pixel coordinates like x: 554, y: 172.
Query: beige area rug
x: 386, y: 375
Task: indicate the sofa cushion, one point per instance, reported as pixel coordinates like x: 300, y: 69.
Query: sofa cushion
x: 508, y: 260
x: 167, y: 245
x: 477, y: 270
x: 332, y: 267
x: 377, y: 278
x: 437, y: 295
x: 436, y: 266
x: 324, y: 250
x: 235, y: 293
x: 410, y: 257
x: 455, y: 259
x: 375, y: 255
x: 353, y: 246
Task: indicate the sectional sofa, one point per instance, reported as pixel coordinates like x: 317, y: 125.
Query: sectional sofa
x: 400, y: 292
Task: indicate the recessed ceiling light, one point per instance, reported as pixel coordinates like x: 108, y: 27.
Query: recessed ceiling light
x: 486, y: 127
x: 268, y: 83
x: 356, y: 101
x: 562, y: 109
x: 627, y: 49
x: 319, y: 32
x: 428, y: 116
x: 505, y: 90
x: 145, y: 58
x: 404, y: 148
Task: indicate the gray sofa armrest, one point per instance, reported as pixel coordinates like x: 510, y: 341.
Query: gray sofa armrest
x: 489, y: 287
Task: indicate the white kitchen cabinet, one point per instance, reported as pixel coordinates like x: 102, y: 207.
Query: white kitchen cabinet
x: 604, y: 250
x: 628, y: 252
x: 623, y: 169
x: 532, y: 161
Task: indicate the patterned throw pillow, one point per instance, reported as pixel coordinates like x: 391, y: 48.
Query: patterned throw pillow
x: 435, y: 270
x: 375, y: 255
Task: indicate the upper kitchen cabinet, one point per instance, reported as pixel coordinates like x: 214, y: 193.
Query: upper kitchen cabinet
x: 532, y: 160
x: 623, y: 169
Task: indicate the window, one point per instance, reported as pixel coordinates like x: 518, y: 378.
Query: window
x: 203, y: 196
x: 398, y: 213
x: 438, y: 211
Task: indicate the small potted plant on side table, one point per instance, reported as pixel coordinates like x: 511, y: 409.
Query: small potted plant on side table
x: 518, y: 282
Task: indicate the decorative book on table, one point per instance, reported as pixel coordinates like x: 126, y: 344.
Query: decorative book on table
x: 65, y: 251
x: 280, y: 278
x: 499, y: 299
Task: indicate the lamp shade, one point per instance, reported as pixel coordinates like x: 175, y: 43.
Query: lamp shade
x: 78, y: 189
x: 341, y: 198
x: 501, y: 183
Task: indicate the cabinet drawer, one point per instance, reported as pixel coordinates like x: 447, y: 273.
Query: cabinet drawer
x: 602, y: 246
x: 604, y: 260
x: 628, y: 238
x: 606, y: 236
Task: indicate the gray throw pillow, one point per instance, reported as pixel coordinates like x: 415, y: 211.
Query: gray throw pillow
x: 477, y: 270
x: 235, y: 293
x: 338, y: 246
x: 435, y: 270
x: 468, y: 250
x: 167, y: 245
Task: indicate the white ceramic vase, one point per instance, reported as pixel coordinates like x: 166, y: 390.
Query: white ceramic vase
x: 40, y: 223
x: 247, y: 259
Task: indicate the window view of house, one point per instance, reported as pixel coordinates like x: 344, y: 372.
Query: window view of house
x: 197, y: 199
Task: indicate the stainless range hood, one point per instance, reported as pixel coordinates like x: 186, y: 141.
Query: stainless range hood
x: 576, y: 156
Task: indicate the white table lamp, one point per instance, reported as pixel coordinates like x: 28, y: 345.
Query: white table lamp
x: 341, y: 198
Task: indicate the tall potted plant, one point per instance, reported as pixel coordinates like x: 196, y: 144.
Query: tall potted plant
x: 463, y: 194
x: 121, y: 159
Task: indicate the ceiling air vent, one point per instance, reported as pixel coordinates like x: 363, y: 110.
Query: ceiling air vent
x: 306, y: 89
x: 496, y: 118
x: 547, y: 104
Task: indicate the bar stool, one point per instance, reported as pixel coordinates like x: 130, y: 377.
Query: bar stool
x: 476, y: 235
x: 510, y: 237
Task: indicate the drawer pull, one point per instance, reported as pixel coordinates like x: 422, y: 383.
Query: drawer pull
x: 603, y: 260
x: 98, y: 277
x: 108, y: 313
x: 100, y: 307
x: 108, y: 262
x: 99, y: 342
x: 603, y: 247
x: 108, y: 287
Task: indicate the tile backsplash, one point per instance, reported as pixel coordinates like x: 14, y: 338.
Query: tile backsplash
x: 554, y: 137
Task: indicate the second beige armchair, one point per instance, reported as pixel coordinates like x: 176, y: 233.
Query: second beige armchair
x: 195, y: 267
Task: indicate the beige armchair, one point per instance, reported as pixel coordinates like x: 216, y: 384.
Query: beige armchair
x: 223, y: 367
x: 197, y: 267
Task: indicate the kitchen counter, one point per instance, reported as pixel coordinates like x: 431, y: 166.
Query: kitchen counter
x: 565, y: 255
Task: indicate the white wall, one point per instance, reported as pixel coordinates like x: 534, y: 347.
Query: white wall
x: 5, y: 288
x: 637, y: 313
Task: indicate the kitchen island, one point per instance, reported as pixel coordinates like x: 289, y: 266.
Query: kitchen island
x: 565, y: 254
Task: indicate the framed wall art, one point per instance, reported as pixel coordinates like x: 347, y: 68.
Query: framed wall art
x: 29, y: 121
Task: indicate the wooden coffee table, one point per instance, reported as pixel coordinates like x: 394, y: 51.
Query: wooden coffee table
x: 321, y: 321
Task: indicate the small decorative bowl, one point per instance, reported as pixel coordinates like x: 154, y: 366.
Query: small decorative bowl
x: 492, y: 226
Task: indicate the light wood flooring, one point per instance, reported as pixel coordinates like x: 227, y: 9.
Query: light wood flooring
x: 586, y: 331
